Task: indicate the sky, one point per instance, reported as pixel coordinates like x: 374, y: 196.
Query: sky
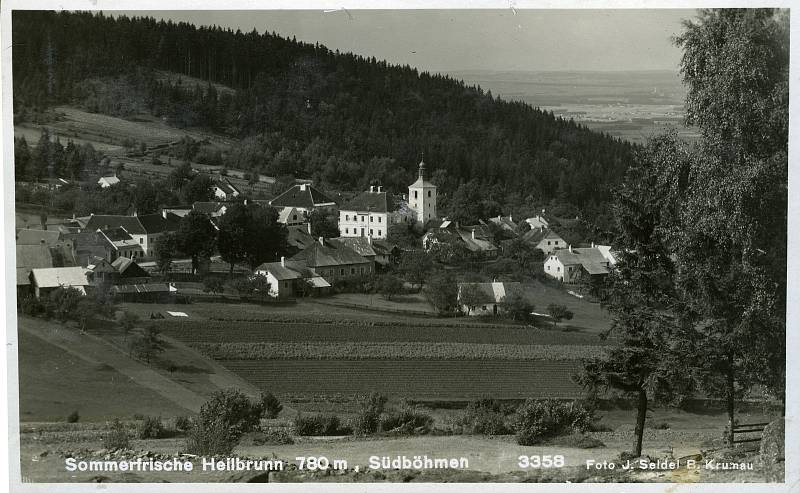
x: 469, y: 40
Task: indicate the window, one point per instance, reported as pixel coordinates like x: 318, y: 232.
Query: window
x: 370, y: 218
x: 558, y: 269
x: 379, y: 219
x: 370, y: 231
x: 346, y: 217
x: 341, y: 271
x: 362, y: 219
x: 379, y: 232
x: 548, y: 267
x: 294, y: 217
x: 346, y: 230
x: 429, y: 193
x: 352, y: 270
x: 415, y: 194
x: 141, y: 240
x: 548, y: 243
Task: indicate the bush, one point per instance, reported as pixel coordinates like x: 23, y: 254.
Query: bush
x: 486, y: 417
x: 369, y: 417
x: 539, y: 420
x: 117, y: 437
x: 73, y: 417
x: 182, y: 423
x: 213, y: 285
x: 271, y: 405
x: 210, y: 438
x: 233, y: 409
x: 317, y: 425
x: 278, y: 436
x: 408, y: 420
x: 150, y: 427
x: 576, y: 440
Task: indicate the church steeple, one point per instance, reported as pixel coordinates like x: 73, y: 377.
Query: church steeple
x: 422, y: 169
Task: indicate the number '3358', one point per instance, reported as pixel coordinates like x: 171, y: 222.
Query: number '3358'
x: 540, y: 461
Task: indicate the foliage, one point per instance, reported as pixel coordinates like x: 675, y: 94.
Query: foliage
x: 145, y: 343
x: 182, y: 423
x: 558, y: 313
x: 367, y: 421
x: 318, y: 425
x: 232, y: 408
x: 470, y: 296
x: 117, y: 437
x: 517, y: 306
x: 388, y: 286
x: 270, y: 404
x: 73, y: 417
x: 407, y: 420
x: 486, y: 417
x: 195, y: 237
x: 165, y: 249
x: 442, y: 293
x: 415, y: 266
x: 402, y: 234
x: 210, y: 438
x: 537, y: 420
x: 324, y: 223
x: 213, y: 285
x: 150, y: 427
x: 198, y: 189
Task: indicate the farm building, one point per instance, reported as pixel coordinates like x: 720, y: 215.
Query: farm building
x: 544, y: 239
x: 362, y: 245
x: 538, y: 222
x: 224, y: 190
x: 46, y: 280
x: 178, y: 210
x: 85, y: 245
x: 129, y: 271
x: 304, y: 197
x: 486, y: 298
x: 333, y: 262
x: 101, y: 271
x: 366, y: 215
x: 31, y: 257
x: 144, y: 293
x: 107, y: 181
x: 474, y: 239
x: 570, y: 265
x: 386, y: 252
x: 282, y: 280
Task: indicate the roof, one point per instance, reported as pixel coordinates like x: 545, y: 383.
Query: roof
x: 318, y: 282
x: 368, y: 201
x: 537, y: 222
x: 534, y: 236
x: 590, y: 258
x: 100, y: 264
x: 110, y: 180
x: 360, y: 244
x: 31, y: 257
x: 492, y: 292
x: 103, y: 222
x: 317, y: 255
x: 117, y: 235
x: 383, y: 246
x: 286, y: 213
x: 37, y: 237
x: 226, y: 187
x: 127, y: 266
x: 278, y: 271
x: 476, y: 243
x: 605, y: 250
x: 157, y: 223
x: 141, y: 288
x: 298, y: 236
x: 60, y: 276
x: 207, y: 207
x: 421, y: 181
x: 305, y: 196
x: 504, y: 222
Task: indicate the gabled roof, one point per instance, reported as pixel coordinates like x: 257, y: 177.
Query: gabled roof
x: 128, y: 268
x: 298, y: 236
x: 368, y: 201
x: 537, y: 222
x: 286, y: 213
x: 491, y: 292
x: 478, y: 243
x: 104, y: 222
x: 208, y: 207
x: 37, y: 237
x: 157, y: 223
x: 504, y: 222
x: 383, y: 247
x: 278, y: 271
x: 359, y: 244
x: 60, y: 276
x: 534, y: 236
x: 226, y: 187
x: 117, y: 234
x: 31, y: 257
x: 590, y: 258
x: 317, y: 255
x: 100, y: 264
x: 305, y: 196
x: 109, y: 180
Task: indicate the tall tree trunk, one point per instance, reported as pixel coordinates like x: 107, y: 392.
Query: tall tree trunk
x: 730, y: 396
x: 641, y: 415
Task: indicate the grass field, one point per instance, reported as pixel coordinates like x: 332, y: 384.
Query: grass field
x: 53, y: 383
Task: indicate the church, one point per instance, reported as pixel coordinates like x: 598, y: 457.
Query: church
x: 422, y: 197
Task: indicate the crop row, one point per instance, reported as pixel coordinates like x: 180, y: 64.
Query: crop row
x: 436, y: 379
x: 216, y: 331
x: 392, y: 350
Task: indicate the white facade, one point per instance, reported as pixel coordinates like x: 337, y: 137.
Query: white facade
x: 554, y: 268
x: 422, y: 197
x: 370, y: 224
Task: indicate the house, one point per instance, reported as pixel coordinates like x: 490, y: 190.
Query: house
x: 298, y: 237
x: 486, y: 298
x: 505, y: 223
x: 386, y: 252
x: 178, y: 210
x: 333, y: 263
x: 472, y: 238
x: 366, y: 215
x: 107, y: 181
x: 144, y: 293
x: 362, y: 245
x: 422, y: 197
x: 537, y: 222
x: 45, y: 281
x: 123, y: 243
x: 144, y: 229
x: 303, y: 197
x: 129, y: 271
x: 282, y: 279
x: 544, y: 239
x: 83, y: 246
x: 224, y: 190
x: 571, y: 265
x: 101, y: 271
x: 211, y: 209
x: 291, y: 216
x: 31, y: 257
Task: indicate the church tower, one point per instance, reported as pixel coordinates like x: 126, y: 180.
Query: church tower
x: 422, y: 197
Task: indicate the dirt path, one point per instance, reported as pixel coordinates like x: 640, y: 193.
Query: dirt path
x: 82, y: 345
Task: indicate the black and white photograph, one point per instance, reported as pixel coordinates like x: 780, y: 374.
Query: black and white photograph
x: 511, y: 245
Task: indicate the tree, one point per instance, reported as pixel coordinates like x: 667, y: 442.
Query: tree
x: 558, y: 313
x: 403, y: 235
x: 442, y: 293
x: 195, y: 237
x: 146, y: 343
x: 388, y: 286
x: 731, y: 243
x: 232, y: 238
x: 415, y: 266
x: 213, y: 285
x: 198, y: 189
x: 465, y: 206
x: 165, y: 249
x: 324, y: 224
x: 470, y: 296
x: 518, y: 306
x: 266, y: 237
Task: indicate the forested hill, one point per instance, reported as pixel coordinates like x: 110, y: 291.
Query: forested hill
x: 304, y: 110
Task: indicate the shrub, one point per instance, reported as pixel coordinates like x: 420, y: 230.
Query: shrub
x: 368, y: 419
x: 271, y: 405
x: 317, y: 425
x: 117, y: 437
x: 485, y: 416
x: 213, y: 285
x: 539, y: 420
x: 576, y: 440
x: 233, y: 409
x: 182, y: 423
x: 278, y: 436
x: 73, y: 417
x: 150, y: 427
x: 408, y: 420
x: 209, y: 438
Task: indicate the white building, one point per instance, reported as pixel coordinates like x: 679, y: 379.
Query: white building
x: 224, y: 190
x: 107, y: 181
x: 366, y: 215
x: 570, y: 265
x: 422, y: 197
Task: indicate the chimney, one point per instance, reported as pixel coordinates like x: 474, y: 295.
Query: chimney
x: 541, y: 229
x: 592, y: 244
x: 322, y: 241
x: 473, y: 234
x: 369, y: 239
x: 309, y: 226
x: 371, y: 189
x: 570, y: 249
x: 283, y: 261
x: 510, y: 219
x: 379, y: 188
x: 302, y: 187
x: 164, y: 213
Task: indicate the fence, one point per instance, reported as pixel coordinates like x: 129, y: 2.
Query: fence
x: 748, y: 430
